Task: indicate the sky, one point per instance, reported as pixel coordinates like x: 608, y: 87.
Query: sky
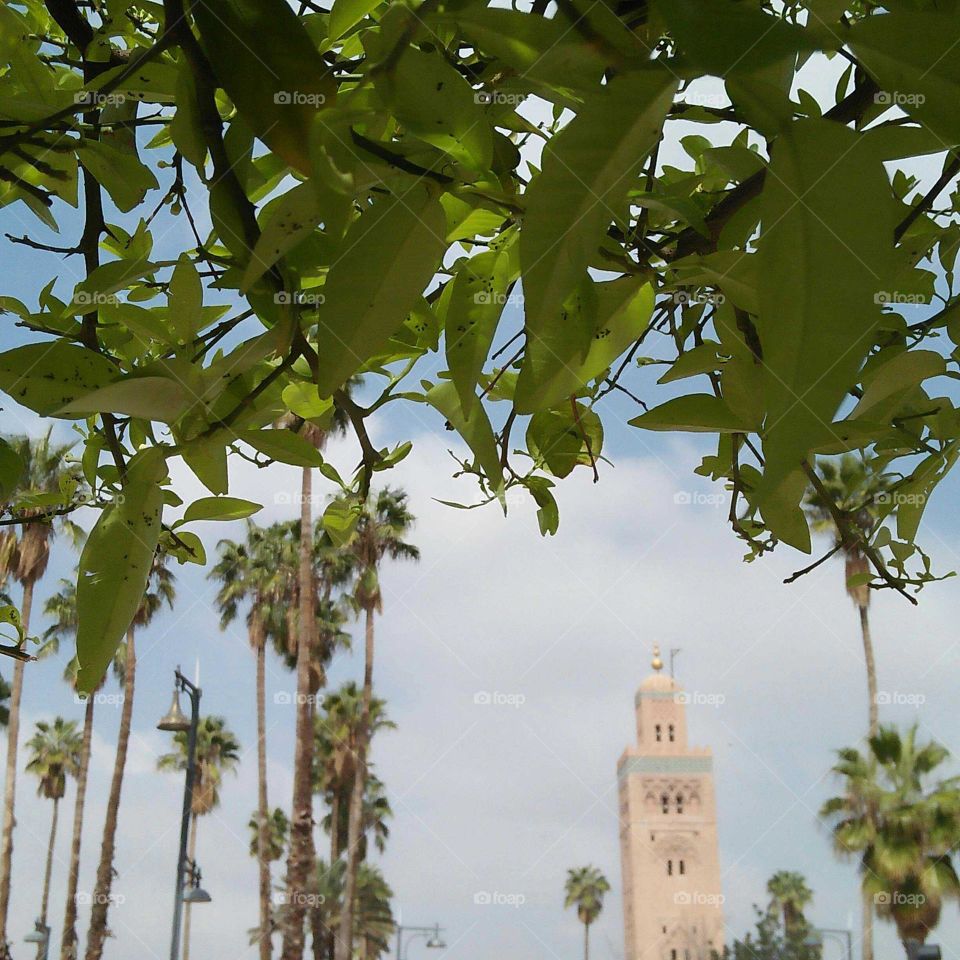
x: 509, y: 663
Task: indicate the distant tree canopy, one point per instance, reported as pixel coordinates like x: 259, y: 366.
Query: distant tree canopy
x: 274, y: 199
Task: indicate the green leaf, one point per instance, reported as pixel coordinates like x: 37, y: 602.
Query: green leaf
x: 887, y: 384
x: 283, y: 445
x: 305, y: 401
x: 219, y: 508
x: 151, y: 398
x: 561, y: 440
x: 185, y: 297
x: 476, y: 301
x: 11, y: 470
x: 389, y: 256
x: 345, y: 13
x: 915, y: 59
x: 433, y: 101
x: 270, y: 67
x: 115, y: 564
x: 694, y: 413
x: 588, y: 170
x: 189, y: 550
x: 186, y: 130
x: 208, y: 461
x: 825, y: 250
x: 474, y: 428
x: 122, y: 175
x: 621, y: 313
x: 548, y: 513
x: 46, y: 376
x: 339, y: 521
x: 701, y: 359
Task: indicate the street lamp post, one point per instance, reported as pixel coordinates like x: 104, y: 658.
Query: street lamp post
x: 40, y: 935
x: 816, y: 937
x: 434, y: 941
x: 176, y: 722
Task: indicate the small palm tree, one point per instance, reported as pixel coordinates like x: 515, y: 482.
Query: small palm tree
x: 902, y: 829
x: 585, y: 889
x: 217, y: 752
x: 789, y: 896
x: 384, y: 522
x: 26, y: 559
x: 54, y: 756
x: 278, y: 829
x: 159, y: 591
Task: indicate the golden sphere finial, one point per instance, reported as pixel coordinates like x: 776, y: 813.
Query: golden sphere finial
x: 656, y: 663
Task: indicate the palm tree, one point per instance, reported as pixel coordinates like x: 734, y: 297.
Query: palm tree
x: 383, y: 523
x: 789, y: 896
x: 217, y: 752
x: 278, y: 829
x: 159, y: 591
x: 902, y: 829
x: 854, y: 486
x: 54, y: 756
x: 26, y: 560
x: 4, y: 697
x: 585, y: 888
x: 62, y: 608
x: 301, y: 851
x: 248, y: 573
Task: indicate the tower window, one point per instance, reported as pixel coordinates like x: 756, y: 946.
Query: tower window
x: 664, y: 803
x: 658, y: 732
x: 679, y: 803
x: 682, y: 869
x: 670, y: 733
x: 673, y: 955
x: 669, y: 868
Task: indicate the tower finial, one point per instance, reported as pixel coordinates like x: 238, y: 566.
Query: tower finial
x: 656, y: 663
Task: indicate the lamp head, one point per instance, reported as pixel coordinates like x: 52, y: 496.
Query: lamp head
x: 196, y: 895
x: 175, y: 719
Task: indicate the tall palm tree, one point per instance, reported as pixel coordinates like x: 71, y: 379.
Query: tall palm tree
x: 902, y: 829
x: 383, y: 523
x: 585, y: 888
x: 61, y: 607
x: 854, y: 486
x: 301, y: 851
x: 160, y: 590
x: 249, y: 573
x: 278, y: 829
x: 789, y: 896
x: 54, y: 756
x: 26, y: 560
x: 217, y: 752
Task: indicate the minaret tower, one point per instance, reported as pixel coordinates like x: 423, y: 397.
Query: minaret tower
x: 672, y: 902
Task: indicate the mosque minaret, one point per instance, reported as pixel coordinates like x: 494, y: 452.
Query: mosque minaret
x: 672, y: 900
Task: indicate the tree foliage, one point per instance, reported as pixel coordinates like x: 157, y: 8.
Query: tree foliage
x: 273, y: 199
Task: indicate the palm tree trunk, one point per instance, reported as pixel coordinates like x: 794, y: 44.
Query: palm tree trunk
x: 192, y: 854
x: 263, y: 810
x: 586, y: 941
x: 48, y: 872
x: 344, y: 948
x: 97, y: 933
x: 866, y: 935
x: 301, y: 821
x: 871, y: 669
x: 10, y: 784
x: 68, y: 939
